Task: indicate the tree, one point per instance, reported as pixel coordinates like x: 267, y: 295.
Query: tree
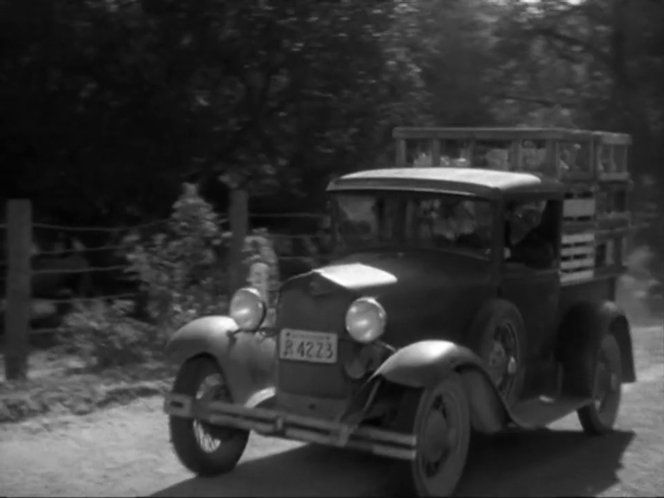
x: 106, y: 102
x: 598, y: 63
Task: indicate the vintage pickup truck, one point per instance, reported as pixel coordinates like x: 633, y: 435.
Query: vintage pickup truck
x: 474, y: 292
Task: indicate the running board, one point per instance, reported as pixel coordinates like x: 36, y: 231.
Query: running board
x: 543, y: 410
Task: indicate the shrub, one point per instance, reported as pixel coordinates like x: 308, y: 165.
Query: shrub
x: 182, y: 270
x: 182, y: 273
x: 104, y: 335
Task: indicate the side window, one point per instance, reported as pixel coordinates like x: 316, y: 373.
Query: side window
x: 531, y: 233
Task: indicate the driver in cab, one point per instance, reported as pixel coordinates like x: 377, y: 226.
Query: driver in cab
x: 524, y: 243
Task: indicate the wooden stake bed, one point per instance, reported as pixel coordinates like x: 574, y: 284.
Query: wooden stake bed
x: 591, y: 164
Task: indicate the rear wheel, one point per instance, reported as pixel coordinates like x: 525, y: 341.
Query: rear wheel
x: 441, y: 421
x: 203, y: 448
x: 600, y: 416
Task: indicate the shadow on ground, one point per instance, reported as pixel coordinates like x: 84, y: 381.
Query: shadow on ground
x: 538, y: 463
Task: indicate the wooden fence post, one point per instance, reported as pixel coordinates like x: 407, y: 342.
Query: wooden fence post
x: 17, y: 312
x: 239, y: 222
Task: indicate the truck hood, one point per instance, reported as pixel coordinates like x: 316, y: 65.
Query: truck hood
x: 379, y: 272
x: 423, y: 292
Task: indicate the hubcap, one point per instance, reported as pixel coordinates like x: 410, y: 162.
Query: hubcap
x: 511, y: 366
x: 435, y: 445
x: 437, y: 440
x: 614, y: 382
x: 503, y: 357
x: 606, y: 382
x: 443, y: 432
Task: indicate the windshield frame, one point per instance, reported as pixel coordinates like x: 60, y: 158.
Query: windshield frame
x: 334, y: 213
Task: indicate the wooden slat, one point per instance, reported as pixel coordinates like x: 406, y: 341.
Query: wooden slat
x: 577, y: 276
x: 578, y: 250
x: 578, y: 238
x: 488, y: 133
x: 577, y: 263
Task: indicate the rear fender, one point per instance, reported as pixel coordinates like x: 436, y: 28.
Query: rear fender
x: 426, y: 363
x: 581, y: 332
x: 246, y: 359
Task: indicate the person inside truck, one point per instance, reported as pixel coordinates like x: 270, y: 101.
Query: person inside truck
x: 462, y: 223
x: 525, y: 242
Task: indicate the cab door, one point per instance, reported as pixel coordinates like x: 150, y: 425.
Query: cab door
x: 536, y: 293
x: 535, y: 289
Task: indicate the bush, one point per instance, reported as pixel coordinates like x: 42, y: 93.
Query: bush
x: 182, y: 270
x: 182, y: 273
x: 104, y: 335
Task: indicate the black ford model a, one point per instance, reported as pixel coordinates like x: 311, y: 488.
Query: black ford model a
x: 473, y: 293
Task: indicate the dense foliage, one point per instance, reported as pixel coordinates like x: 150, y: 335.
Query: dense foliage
x: 106, y: 106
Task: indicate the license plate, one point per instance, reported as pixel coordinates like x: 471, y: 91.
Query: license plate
x: 303, y: 345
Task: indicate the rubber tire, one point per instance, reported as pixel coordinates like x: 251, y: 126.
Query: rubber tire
x: 589, y: 417
x: 193, y: 457
x: 489, y: 317
x: 415, y: 404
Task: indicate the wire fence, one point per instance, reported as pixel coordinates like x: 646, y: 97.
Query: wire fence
x: 53, y: 261
x: 68, y: 228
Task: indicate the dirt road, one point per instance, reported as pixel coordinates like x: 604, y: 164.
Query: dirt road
x: 124, y: 451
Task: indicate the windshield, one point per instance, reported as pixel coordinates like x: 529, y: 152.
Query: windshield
x: 412, y: 220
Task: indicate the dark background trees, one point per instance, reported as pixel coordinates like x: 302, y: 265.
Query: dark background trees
x: 107, y: 106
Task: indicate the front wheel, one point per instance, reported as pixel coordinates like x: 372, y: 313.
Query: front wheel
x: 599, y: 417
x: 203, y: 448
x: 441, y: 422
x: 499, y: 339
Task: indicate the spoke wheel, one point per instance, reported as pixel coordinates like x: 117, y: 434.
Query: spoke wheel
x: 600, y: 415
x: 208, y: 436
x: 204, y: 448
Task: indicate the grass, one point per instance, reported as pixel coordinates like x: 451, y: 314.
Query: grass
x: 61, y: 385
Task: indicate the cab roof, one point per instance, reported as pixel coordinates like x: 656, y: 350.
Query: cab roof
x: 463, y: 181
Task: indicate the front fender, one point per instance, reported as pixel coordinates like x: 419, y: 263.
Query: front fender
x: 246, y: 359
x: 424, y: 363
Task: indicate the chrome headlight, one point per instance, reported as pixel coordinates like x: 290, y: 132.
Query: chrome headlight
x: 248, y: 308
x: 365, y: 319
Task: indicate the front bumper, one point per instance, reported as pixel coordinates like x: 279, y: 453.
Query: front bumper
x: 309, y: 429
